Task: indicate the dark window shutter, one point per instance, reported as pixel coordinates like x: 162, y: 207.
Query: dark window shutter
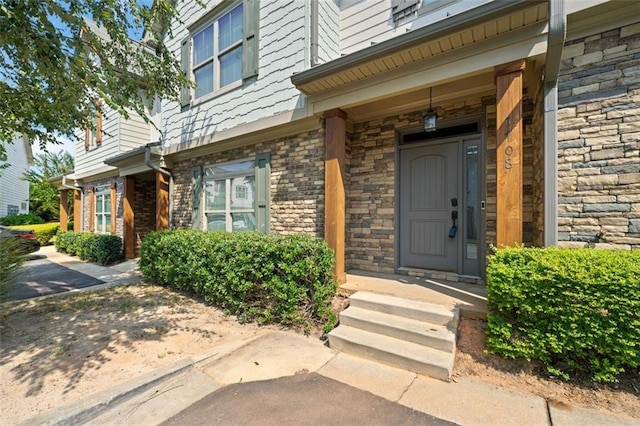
x: 185, y: 93
x: 196, y: 197
x: 263, y: 192
x: 251, y: 22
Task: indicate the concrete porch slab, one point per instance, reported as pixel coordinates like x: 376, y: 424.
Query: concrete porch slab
x: 470, y: 298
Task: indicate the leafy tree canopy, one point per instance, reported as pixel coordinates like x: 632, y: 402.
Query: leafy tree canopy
x: 54, y: 67
x: 44, y: 197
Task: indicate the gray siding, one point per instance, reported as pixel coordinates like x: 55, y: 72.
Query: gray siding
x: 92, y: 159
x: 328, y: 30
x: 283, y: 50
x: 134, y: 132
x: 13, y: 189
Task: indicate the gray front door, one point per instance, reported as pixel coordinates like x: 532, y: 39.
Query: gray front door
x: 428, y: 184
x: 436, y: 180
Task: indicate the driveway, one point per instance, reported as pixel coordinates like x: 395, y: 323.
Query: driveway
x: 40, y: 277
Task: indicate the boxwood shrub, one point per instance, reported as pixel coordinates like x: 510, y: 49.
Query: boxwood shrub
x: 99, y: 248
x: 257, y: 277
x: 21, y: 219
x: 575, y: 310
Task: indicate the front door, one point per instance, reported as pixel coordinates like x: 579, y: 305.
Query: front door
x: 439, y: 207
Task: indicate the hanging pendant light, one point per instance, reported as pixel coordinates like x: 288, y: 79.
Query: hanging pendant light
x: 430, y: 118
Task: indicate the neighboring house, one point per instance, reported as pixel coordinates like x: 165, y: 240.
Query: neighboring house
x: 14, y: 189
x: 312, y: 117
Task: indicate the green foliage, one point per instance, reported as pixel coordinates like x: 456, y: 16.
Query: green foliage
x: 52, y: 57
x: 21, y: 219
x: 576, y: 311
x: 44, y: 232
x: 44, y: 196
x: 99, y: 248
x: 11, y: 258
x: 258, y: 277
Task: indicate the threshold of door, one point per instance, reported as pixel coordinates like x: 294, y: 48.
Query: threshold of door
x: 439, y: 275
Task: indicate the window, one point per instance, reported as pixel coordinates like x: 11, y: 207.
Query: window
x: 232, y: 196
x: 222, y: 49
x: 93, y: 133
x: 224, y: 209
x: 102, y: 210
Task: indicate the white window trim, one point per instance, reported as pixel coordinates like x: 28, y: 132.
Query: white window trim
x: 102, y: 191
x: 217, y: 90
x: 227, y: 176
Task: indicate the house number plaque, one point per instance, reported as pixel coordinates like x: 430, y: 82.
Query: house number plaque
x: 509, y: 149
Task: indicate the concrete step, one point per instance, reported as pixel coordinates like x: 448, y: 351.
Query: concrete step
x: 395, y: 352
x: 411, y: 330
x: 413, y: 309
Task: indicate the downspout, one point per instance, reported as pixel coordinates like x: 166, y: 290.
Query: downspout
x: 314, y: 33
x: 148, y: 163
x: 555, y: 44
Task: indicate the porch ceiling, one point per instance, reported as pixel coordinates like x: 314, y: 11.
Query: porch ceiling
x: 422, y: 49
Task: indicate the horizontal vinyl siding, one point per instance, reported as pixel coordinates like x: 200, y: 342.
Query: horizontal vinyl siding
x: 13, y: 189
x: 328, y: 30
x: 85, y: 160
x: 282, y: 48
x: 134, y: 132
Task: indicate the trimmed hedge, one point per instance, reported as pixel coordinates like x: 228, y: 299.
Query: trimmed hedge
x: 575, y: 310
x: 257, y: 277
x: 99, y: 248
x: 21, y: 219
x: 44, y: 232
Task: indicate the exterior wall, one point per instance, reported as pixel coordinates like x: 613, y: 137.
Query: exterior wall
x: 371, y: 21
x: 14, y: 191
x: 86, y: 161
x: 283, y: 50
x: 328, y: 30
x: 297, y: 182
x: 133, y: 132
x: 371, y: 171
x: 599, y: 141
x: 119, y: 194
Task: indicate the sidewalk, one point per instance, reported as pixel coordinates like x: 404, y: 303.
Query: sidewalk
x: 278, y: 355
x: 247, y: 367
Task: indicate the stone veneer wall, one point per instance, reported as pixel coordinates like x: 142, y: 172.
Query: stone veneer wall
x: 119, y: 193
x: 599, y: 140
x: 297, y: 182
x: 144, y: 210
x: 370, y: 239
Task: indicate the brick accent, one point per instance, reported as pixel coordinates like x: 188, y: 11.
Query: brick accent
x: 144, y: 210
x: 297, y: 182
x: 599, y: 141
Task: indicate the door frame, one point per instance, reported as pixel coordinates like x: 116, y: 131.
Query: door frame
x: 482, y: 180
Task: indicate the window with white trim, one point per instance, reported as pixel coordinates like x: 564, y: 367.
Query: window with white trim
x: 217, y: 53
x: 102, y: 210
x: 230, y: 190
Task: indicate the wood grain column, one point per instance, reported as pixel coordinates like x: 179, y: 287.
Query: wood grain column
x: 162, y: 201
x: 128, y: 218
x: 509, y: 153
x: 77, y: 210
x: 64, y: 209
x: 334, y: 191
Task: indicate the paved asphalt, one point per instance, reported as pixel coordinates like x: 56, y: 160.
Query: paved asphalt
x: 303, y: 399
x: 39, y: 277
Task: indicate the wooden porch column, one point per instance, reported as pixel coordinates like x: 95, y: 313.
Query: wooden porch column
x: 334, y: 193
x: 509, y: 153
x: 77, y: 210
x: 129, y: 235
x: 64, y: 209
x: 162, y: 201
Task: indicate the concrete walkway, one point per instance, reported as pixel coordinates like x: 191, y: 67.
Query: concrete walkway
x: 269, y: 362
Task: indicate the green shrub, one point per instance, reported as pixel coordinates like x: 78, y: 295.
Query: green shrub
x: 21, y: 219
x: 99, y: 248
x: 258, y: 277
x: 44, y: 232
x: 576, y: 311
x: 70, y: 226
x: 11, y: 258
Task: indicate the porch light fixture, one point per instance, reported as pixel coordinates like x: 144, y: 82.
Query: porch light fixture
x: 430, y: 118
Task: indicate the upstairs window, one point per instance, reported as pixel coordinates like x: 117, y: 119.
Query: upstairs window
x: 222, y: 49
x: 93, y: 132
